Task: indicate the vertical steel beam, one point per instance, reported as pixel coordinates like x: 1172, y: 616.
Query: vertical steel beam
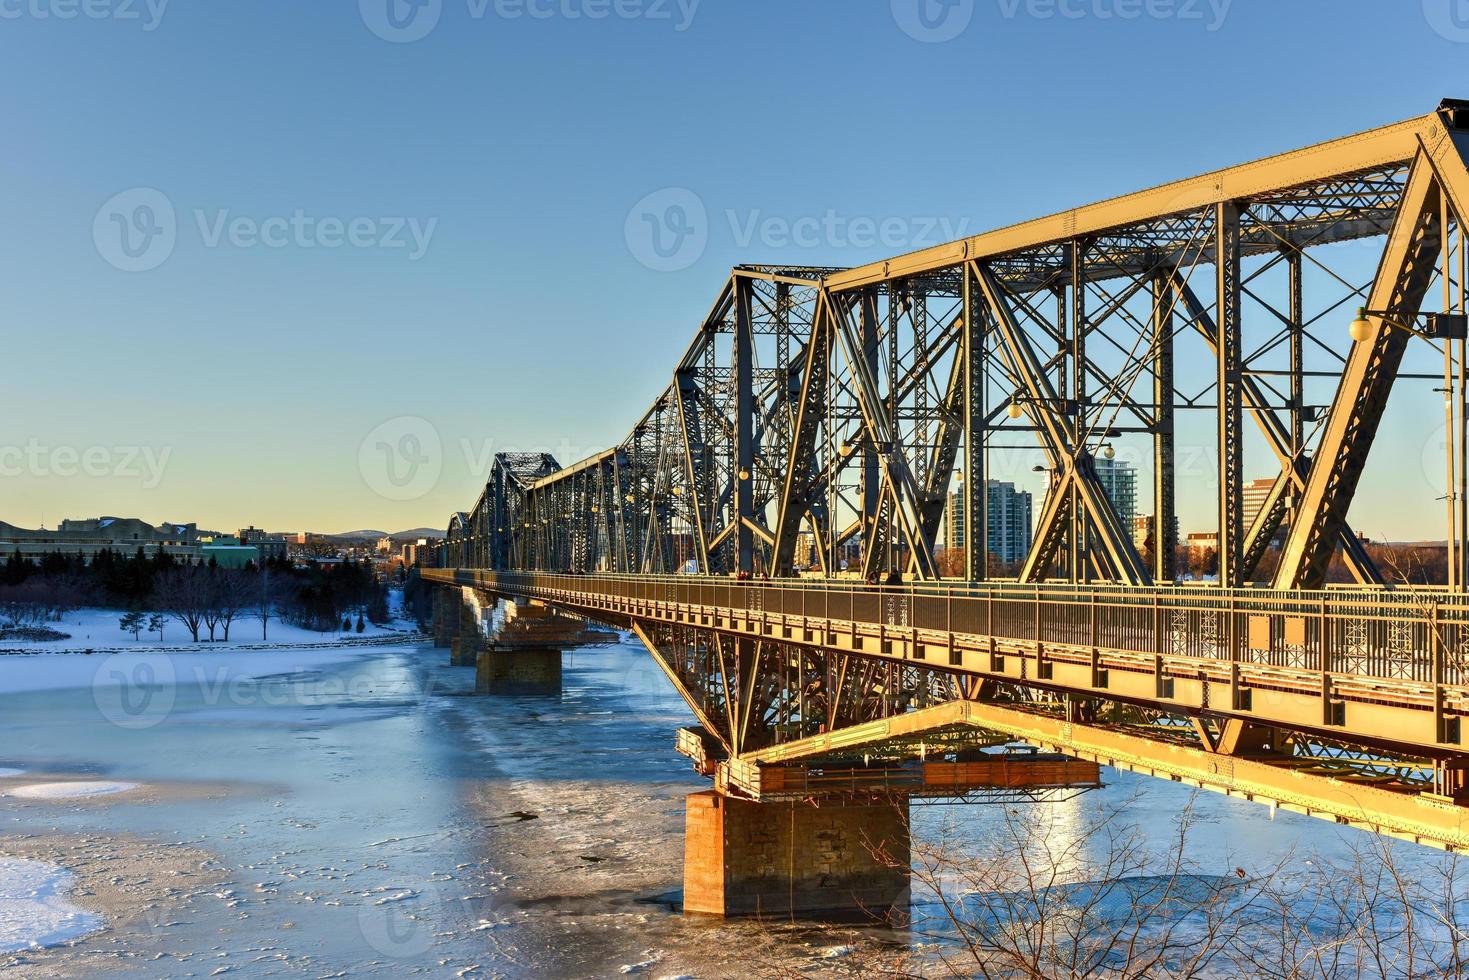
x: 1165, y: 530
x: 1078, y: 535
x: 868, y: 324
x: 975, y: 496
x: 1231, y: 409
x: 744, y: 407
x: 1296, y: 331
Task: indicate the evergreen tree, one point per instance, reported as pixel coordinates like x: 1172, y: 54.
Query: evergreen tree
x: 133, y: 623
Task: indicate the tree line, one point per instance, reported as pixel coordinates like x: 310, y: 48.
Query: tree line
x: 205, y: 598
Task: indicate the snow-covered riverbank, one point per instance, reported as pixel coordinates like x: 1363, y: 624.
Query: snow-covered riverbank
x: 34, y: 909
x: 99, y: 630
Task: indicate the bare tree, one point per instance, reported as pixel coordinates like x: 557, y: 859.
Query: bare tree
x: 265, y: 596
x: 183, y: 593
x: 1043, y: 896
x: 234, y: 592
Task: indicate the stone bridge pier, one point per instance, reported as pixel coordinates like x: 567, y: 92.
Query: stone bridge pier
x: 522, y: 655
x: 838, y: 860
x: 515, y: 653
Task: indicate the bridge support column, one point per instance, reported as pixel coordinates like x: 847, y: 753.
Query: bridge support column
x: 518, y: 673
x: 524, y: 657
x: 793, y: 860
x: 468, y: 640
x: 444, y: 616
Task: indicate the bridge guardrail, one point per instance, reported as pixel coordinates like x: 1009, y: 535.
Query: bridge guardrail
x: 1401, y: 635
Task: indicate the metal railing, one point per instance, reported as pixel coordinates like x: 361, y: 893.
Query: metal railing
x: 1405, y: 634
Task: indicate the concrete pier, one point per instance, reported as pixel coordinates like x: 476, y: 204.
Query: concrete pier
x: 794, y: 860
x: 444, y: 616
x: 523, y: 656
x: 469, y: 639
x: 518, y: 673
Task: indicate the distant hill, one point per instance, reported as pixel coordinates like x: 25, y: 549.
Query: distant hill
x: 367, y: 534
x: 419, y: 532
x: 363, y: 535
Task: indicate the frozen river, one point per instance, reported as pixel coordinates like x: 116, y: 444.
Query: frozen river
x: 359, y: 813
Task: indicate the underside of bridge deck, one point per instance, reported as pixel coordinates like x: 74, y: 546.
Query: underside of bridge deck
x: 809, y: 532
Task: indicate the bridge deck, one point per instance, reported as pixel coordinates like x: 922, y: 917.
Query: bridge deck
x: 1382, y: 667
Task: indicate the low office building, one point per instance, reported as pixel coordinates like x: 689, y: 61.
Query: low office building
x: 269, y: 544
x: 123, y: 535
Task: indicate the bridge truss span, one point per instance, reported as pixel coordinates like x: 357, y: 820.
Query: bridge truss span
x: 830, y: 429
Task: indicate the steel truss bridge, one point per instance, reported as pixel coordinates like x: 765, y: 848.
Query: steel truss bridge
x: 825, y: 425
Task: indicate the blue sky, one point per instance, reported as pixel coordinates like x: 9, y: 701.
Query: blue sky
x: 254, y: 374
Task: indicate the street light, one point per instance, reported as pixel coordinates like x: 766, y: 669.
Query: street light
x: 1437, y: 326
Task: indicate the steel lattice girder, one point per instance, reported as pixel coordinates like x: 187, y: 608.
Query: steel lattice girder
x: 847, y: 430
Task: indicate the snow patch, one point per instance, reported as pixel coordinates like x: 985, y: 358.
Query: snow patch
x: 77, y: 789
x: 33, y: 911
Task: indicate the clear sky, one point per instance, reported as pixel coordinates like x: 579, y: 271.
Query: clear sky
x: 369, y: 224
